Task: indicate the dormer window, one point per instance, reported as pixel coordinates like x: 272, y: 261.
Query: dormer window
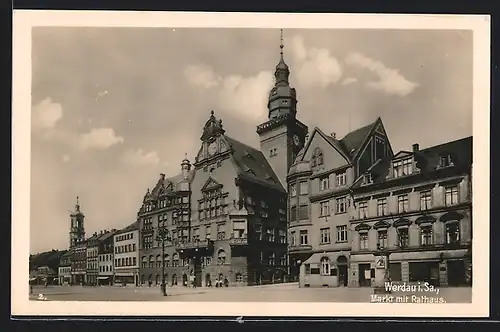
x: 317, y: 157
x: 367, y: 179
x: 445, y: 161
x: 402, y: 167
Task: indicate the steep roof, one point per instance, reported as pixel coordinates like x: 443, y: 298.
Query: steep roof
x: 133, y: 226
x: 429, y: 159
x: 353, y: 141
x: 252, y: 165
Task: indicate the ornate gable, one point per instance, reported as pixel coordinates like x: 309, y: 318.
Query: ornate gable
x: 211, y: 184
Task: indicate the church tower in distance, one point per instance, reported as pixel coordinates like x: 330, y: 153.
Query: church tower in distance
x: 77, y: 230
x: 282, y: 135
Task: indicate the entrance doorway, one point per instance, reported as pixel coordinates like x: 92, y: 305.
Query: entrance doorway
x: 208, y: 280
x: 456, y: 273
x: 342, y: 267
x: 198, y: 272
x: 184, y: 280
x: 364, y: 278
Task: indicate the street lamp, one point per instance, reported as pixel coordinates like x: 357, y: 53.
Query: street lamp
x: 163, y: 235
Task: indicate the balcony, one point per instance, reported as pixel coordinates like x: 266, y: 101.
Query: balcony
x: 300, y: 248
x: 241, y: 241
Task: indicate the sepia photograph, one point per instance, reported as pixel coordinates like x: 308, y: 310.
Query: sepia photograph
x: 267, y: 160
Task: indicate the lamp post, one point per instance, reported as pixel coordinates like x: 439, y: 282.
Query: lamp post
x: 163, y: 235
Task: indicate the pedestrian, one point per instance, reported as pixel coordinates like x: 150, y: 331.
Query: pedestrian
x: 226, y: 282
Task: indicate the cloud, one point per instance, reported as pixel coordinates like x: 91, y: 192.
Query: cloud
x: 314, y: 66
x: 201, y: 75
x: 244, y: 95
x: 99, y: 138
x: 349, y: 80
x: 46, y: 114
x: 140, y: 158
x: 390, y: 80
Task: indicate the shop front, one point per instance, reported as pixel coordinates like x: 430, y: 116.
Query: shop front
x: 123, y: 278
x: 329, y: 269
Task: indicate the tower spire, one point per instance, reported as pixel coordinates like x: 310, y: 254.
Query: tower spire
x: 281, y: 44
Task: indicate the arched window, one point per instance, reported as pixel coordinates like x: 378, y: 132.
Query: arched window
x: 175, y: 259
x: 144, y: 262
x: 167, y: 260
x: 158, y: 260
x: 317, y: 157
x: 325, y: 266
x: 174, y: 279
x: 151, y: 261
x: 221, y: 257
x: 239, y: 277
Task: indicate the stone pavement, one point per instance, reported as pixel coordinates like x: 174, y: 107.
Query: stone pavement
x: 289, y: 292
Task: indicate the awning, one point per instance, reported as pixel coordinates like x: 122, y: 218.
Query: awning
x: 102, y: 278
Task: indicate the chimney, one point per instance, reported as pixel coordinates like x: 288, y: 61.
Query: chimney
x: 415, y: 147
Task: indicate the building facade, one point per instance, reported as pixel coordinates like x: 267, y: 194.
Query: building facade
x: 417, y: 206
x: 126, y: 255
x: 319, y: 199
x: 106, y: 258
x: 77, y: 246
x: 92, y: 263
x: 64, y: 270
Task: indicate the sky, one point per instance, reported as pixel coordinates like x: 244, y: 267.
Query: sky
x: 112, y: 108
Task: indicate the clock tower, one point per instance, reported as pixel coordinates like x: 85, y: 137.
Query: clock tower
x: 282, y: 136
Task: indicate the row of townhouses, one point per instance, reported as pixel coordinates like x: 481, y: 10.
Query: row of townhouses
x: 306, y: 206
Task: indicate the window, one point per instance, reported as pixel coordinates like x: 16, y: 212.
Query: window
x: 273, y: 152
x: 382, y: 206
x: 271, y: 259
x: 426, y: 235
x: 270, y: 234
x: 175, y: 260
x: 341, y: 205
x: 293, y: 190
x: 325, y: 266
x: 148, y: 241
x: 325, y: 235
x: 324, y: 208
x: 382, y: 239
x: 133, y: 247
x: 402, y: 203
x: 317, y: 157
x: 196, y: 235
x: 212, y: 204
x: 403, y: 237
x: 324, y: 183
x: 258, y: 232
x: 451, y: 195
x: 293, y: 213
x: 342, y: 233
x: 283, y: 260
x: 134, y: 259
x: 340, y: 179
x: 282, y: 236
x: 363, y: 209
x: 151, y: 261
x: 367, y: 179
x: 452, y: 233
x: 425, y: 200
x: 303, y: 188
x: 221, y: 233
x: 208, y: 260
x: 208, y: 232
x: 303, y: 211
x: 402, y: 167
x: 221, y: 257
x: 445, y: 161
x: 363, y: 240
x: 292, y: 238
x: 303, y: 238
